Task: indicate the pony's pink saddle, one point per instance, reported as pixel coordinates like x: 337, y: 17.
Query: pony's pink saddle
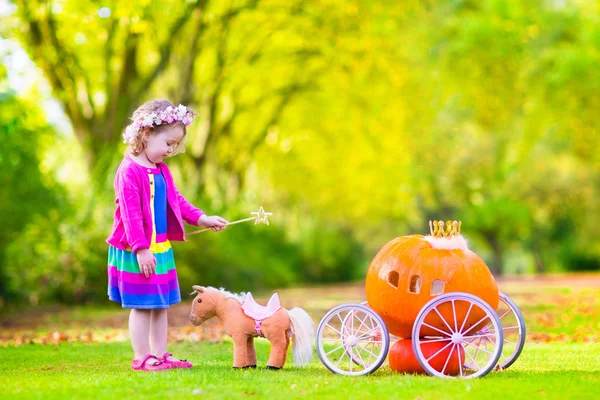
x: 259, y: 313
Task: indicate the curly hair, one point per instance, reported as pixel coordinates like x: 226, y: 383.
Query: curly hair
x: 137, y: 144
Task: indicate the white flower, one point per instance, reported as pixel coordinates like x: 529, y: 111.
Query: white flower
x: 147, y: 121
x: 138, y: 123
x: 130, y: 133
x: 181, y: 111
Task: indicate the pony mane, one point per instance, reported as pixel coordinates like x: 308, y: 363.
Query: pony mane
x: 239, y: 297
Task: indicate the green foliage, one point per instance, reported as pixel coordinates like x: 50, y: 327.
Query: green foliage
x: 330, y: 254
x: 253, y: 258
x: 59, y: 257
x: 356, y: 122
x: 242, y: 258
x: 26, y: 193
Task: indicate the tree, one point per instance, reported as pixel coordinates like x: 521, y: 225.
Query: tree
x: 27, y: 193
x: 104, y: 61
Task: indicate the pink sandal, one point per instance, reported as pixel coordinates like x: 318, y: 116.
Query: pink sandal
x: 175, y: 364
x: 146, y: 365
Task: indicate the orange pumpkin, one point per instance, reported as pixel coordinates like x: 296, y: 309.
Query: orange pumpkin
x: 411, y: 270
x: 402, y: 357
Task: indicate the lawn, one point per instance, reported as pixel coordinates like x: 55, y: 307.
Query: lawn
x: 75, y: 370
x: 84, y: 353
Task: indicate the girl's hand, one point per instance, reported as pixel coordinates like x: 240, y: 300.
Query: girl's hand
x: 214, y: 222
x: 146, y: 261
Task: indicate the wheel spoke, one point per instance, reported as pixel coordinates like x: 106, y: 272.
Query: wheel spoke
x: 350, y: 357
x: 373, y: 324
x: 370, y: 352
x: 341, y: 358
x: 337, y: 348
x: 359, y: 351
x: 464, y: 341
x: 472, y: 358
x: 476, y: 349
x: 466, y: 317
x: 485, y: 343
x: 474, y: 325
x: 439, y: 330
x: 439, y: 351
x: 511, y: 342
x: 485, y: 336
x: 448, y: 358
x: 504, y: 315
x: 370, y: 325
x: 340, y: 318
x: 365, y: 349
x: 425, y: 340
x: 360, y: 356
x: 511, y: 327
x: 454, y: 313
x: 362, y: 323
x: 373, y: 350
x: 443, y: 319
x: 345, y: 331
x: 460, y: 363
x: 336, y: 331
x: 365, y: 335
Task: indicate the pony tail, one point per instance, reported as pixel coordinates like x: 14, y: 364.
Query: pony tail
x: 303, y: 332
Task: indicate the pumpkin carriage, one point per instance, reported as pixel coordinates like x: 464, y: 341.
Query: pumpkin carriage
x: 441, y: 302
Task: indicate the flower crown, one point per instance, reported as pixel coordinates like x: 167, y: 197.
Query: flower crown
x: 168, y: 116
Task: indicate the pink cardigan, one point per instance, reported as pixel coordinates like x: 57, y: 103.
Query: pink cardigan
x: 132, y: 225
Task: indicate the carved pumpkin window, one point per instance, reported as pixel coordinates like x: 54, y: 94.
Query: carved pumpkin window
x: 415, y: 284
x: 393, y: 278
x: 437, y: 287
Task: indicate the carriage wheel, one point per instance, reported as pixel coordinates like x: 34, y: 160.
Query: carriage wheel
x: 513, y: 326
x: 376, y: 335
x: 352, y: 340
x: 456, y: 322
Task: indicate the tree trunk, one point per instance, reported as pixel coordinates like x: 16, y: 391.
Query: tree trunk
x: 540, y: 265
x: 497, y: 264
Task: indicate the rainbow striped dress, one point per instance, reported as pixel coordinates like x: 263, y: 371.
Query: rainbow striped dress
x: 126, y: 284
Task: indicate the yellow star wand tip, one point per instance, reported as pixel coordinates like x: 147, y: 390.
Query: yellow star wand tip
x: 261, y: 216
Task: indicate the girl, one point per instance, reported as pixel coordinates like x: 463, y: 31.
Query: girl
x: 149, y: 213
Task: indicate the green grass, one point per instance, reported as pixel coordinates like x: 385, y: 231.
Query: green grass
x: 78, y: 370
x: 561, y: 359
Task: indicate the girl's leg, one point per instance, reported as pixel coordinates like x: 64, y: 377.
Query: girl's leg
x: 158, y: 338
x: 158, y: 332
x: 139, y: 329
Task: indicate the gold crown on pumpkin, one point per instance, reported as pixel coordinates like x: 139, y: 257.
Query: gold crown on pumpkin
x: 441, y: 229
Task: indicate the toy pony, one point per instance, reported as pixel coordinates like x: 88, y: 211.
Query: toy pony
x: 244, y: 319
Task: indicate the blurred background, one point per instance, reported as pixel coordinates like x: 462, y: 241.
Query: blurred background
x: 353, y: 122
